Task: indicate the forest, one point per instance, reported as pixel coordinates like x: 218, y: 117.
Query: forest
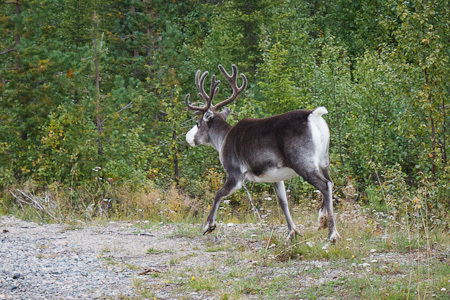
x: 92, y: 111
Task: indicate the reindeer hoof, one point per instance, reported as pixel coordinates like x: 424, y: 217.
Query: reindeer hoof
x: 209, y: 228
x: 334, y: 237
x: 292, y: 234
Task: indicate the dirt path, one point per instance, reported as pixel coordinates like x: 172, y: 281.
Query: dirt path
x: 141, y: 260
x: 54, y: 261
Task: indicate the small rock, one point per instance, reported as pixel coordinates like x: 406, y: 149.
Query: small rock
x: 365, y: 265
x: 230, y: 224
x: 16, y: 276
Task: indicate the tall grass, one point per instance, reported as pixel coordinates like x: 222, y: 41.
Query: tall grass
x: 393, y: 247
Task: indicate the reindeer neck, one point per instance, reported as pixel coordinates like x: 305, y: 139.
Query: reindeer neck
x: 217, y: 132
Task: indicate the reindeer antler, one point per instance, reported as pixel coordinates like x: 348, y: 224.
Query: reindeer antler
x: 232, y: 82
x: 199, y: 83
x: 207, y: 99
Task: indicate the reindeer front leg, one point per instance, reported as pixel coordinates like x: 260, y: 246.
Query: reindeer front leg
x: 231, y: 185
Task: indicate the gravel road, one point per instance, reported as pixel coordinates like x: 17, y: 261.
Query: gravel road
x: 142, y: 260
x: 54, y: 261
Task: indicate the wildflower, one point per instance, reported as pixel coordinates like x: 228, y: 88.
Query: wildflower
x: 193, y: 278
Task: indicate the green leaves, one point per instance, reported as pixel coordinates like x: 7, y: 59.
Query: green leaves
x: 381, y: 69
x: 276, y: 81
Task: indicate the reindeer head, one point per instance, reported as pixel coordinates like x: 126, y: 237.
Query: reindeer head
x: 199, y: 134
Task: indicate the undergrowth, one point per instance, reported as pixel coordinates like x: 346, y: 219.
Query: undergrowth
x: 393, y: 247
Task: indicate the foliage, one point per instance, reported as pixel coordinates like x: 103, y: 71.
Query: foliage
x: 381, y: 69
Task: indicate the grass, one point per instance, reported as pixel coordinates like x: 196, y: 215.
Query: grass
x: 204, y: 283
x: 372, y: 285
x: 380, y: 256
x: 187, y: 231
x: 152, y: 251
x: 372, y: 261
x: 142, y: 290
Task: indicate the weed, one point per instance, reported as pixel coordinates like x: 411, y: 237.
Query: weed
x: 187, y: 230
x: 152, y: 251
x: 207, y: 283
x: 142, y: 290
x: 389, y: 250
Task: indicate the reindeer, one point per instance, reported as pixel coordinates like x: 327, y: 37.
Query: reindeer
x: 271, y: 149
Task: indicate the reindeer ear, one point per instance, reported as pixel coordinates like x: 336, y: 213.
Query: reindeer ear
x: 225, y: 112
x: 208, y: 115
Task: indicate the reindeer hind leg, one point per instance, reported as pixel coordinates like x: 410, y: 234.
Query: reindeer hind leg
x: 282, y: 201
x: 326, y: 218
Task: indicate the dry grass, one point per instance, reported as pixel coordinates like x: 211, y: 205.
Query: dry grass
x: 59, y: 204
x: 401, y: 253
x: 379, y: 257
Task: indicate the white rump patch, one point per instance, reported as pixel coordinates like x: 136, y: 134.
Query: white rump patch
x: 320, y: 135
x: 190, y: 136
x: 273, y: 175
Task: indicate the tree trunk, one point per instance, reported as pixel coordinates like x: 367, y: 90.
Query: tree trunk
x: 444, y: 132
x: 17, y: 37
x: 433, y: 129
x: 97, y: 51
x: 102, y: 205
x: 150, y: 33
x: 23, y: 132
x: 175, y: 148
x: 338, y: 123
x: 135, y: 50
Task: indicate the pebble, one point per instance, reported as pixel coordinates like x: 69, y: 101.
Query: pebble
x: 34, y: 265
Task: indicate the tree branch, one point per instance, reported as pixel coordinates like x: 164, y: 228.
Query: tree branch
x: 117, y: 112
x: 9, y: 50
x: 125, y: 107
